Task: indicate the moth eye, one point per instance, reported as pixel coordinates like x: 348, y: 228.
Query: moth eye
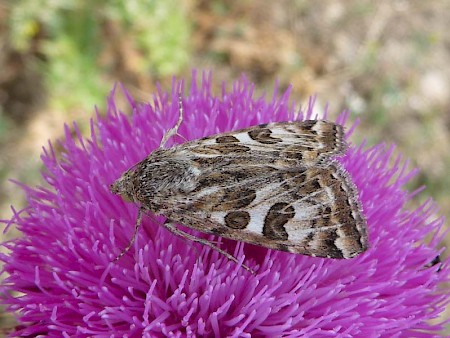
x: 113, y: 188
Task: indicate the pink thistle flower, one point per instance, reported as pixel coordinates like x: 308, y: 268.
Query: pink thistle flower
x: 61, y: 281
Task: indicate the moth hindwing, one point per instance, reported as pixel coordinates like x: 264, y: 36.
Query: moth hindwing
x: 275, y: 185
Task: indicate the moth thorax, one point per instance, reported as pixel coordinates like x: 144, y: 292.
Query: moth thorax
x: 169, y: 177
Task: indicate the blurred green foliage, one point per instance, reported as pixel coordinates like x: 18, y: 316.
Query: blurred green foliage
x: 75, y: 37
x: 161, y: 31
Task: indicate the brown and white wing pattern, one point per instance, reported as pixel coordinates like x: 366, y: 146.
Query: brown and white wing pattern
x: 275, y: 185
x: 305, y: 142
x: 272, y: 185
x: 313, y: 212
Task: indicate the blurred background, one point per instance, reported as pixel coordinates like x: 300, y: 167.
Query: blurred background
x: 387, y: 61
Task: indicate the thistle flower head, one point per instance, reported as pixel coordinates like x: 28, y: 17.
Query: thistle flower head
x: 62, y: 281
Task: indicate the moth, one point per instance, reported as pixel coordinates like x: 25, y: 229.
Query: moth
x: 275, y: 185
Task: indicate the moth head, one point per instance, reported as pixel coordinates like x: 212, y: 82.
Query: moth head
x: 123, y: 187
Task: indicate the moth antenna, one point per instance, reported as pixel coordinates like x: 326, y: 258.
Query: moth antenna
x: 173, y: 229
x: 174, y: 131
x: 133, y: 238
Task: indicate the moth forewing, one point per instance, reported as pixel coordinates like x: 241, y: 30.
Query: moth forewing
x: 275, y: 185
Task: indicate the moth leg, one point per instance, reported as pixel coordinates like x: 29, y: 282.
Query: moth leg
x: 174, y: 131
x: 173, y: 229
x: 133, y: 238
